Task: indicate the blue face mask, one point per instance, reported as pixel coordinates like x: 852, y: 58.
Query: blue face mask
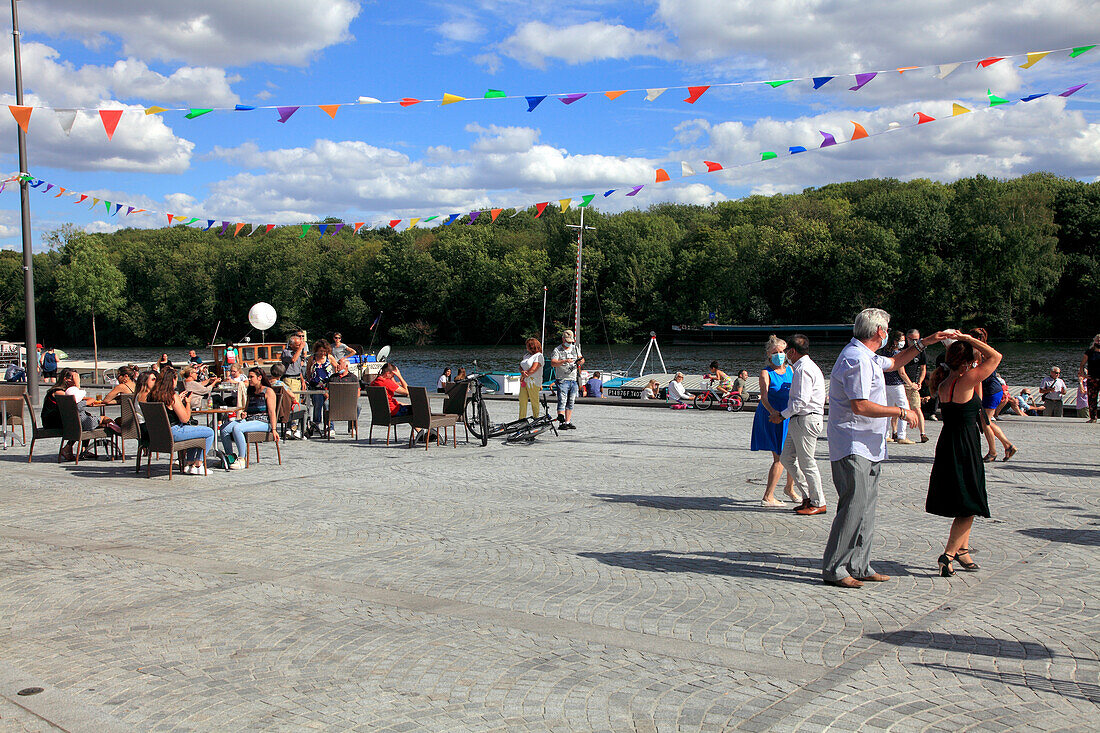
x: 779, y: 359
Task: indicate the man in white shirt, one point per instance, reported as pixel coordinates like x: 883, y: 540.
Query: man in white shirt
x: 805, y: 411
x: 567, y: 361
x: 858, y: 419
x: 1053, y: 389
x: 677, y: 392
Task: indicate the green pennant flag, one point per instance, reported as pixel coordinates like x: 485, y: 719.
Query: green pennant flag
x: 994, y: 100
x: 196, y: 113
x: 774, y: 84
x: 1080, y: 50
x: 497, y: 94
x: 108, y: 205
x: 432, y: 217
x: 586, y: 200
x: 192, y: 221
x: 305, y: 228
x: 768, y: 156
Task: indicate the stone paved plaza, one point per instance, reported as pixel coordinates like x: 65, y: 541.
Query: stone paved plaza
x: 622, y: 577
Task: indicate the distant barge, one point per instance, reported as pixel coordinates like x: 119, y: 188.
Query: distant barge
x: 720, y: 333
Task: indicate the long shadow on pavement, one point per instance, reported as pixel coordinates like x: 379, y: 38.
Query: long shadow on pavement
x: 965, y: 644
x: 1089, y: 537
x: 1064, y: 688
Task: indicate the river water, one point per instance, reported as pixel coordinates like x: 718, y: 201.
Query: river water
x: 1025, y: 363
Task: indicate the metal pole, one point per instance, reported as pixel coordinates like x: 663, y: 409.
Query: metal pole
x: 577, y: 292
x: 543, y: 339
x: 31, y: 333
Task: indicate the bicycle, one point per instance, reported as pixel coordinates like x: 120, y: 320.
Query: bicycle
x: 524, y: 430
x: 732, y: 401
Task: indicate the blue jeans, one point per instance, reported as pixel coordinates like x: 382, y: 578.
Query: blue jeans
x: 319, y: 401
x: 567, y: 394
x: 190, y: 432
x: 233, y: 434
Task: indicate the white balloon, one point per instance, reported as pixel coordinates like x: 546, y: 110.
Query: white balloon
x: 262, y: 316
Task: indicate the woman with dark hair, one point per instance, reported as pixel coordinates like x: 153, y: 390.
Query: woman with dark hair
x: 164, y: 363
x: 68, y: 383
x: 992, y: 393
x: 126, y: 385
x: 444, y: 381
x: 319, y: 369
x: 1089, y: 375
x: 179, y: 418
x: 145, y: 383
x: 261, y: 414
x: 956, y: 487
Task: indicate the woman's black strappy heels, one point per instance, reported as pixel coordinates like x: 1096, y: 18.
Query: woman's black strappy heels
x: 944, y: 562
x: 968, y: 566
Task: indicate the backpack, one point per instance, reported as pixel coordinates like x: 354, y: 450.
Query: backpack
x: 49, y: 362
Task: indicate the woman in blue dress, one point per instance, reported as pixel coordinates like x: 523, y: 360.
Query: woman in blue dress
x: 775, y: 391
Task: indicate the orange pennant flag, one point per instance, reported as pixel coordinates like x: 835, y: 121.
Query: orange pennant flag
x: 903, y: 69
x: 614, y: 95
x: 358, y: 225
x: 695, y: 92
x: 22, y: 115
x: 110, y: 118
x: 860, y: 132
x: 494, y: 213
x: 62, y: 193
x: 330, y: 109
x: 662, y: 175
x: 237, y: 229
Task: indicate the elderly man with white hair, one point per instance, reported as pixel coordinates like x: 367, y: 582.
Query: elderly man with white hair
x: 677, y: 392
x: 858, y: 420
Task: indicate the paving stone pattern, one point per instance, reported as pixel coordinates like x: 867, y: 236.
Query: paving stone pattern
x: 621, y: 577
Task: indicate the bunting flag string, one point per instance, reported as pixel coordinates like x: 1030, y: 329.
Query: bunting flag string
x: 829, y: 140
x: 109, y: 118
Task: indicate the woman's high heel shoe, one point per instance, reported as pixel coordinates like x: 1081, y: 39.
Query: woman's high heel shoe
x: 968, y: 566
x: 944, y: 562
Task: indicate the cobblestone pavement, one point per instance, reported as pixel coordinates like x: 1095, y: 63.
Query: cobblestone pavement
x: 620, y: 577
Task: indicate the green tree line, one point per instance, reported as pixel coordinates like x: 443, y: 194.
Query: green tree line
x: 1019, y: 256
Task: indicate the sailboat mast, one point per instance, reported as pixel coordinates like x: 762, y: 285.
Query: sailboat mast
x: 577, y: 285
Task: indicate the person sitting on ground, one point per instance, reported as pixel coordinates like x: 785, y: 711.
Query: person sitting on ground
x: 297, y: 410
x: 344, y: 375
x: 677, y: 393
x: 197, y: 386
x: 651, y: 391
x: 1026, y: 402
x: 444, y: 381
x: 720, y: 381
x: 319, y: 369
x: 127, y: 384
x: 741, y: 384
x: 15, y: 373
x: 193, y: 358
x: 261, y: 413
x: 594, y: 386
x: 394, y: 384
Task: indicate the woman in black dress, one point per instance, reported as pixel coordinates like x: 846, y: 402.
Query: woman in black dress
x: 956, y: 487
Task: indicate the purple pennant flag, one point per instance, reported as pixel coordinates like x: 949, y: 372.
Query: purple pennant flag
x: 570, y: 98
x: 829, y: 139
x: 209, y: 223
x: 129, y: 210
x: 473, y: 216
x: 50, y: 185
x: 533, y: 102
x: 286, y: 112
x: 820, y: 81
x: 336, y: 229
x: 1071, y: 90
x: 225, y: 227
x: 636, y: 189
x: 862, y: 79
x: 608, y: 193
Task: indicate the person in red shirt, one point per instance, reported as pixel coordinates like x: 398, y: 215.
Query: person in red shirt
x: 395, y: 384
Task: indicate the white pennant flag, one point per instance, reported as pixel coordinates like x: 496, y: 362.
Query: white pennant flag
x: 686, y: 169
x: 651, y: 94
x: 66, y: 118
x: 946, y: 69
x: 254, y: 228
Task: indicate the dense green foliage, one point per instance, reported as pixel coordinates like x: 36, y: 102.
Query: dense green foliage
x: 1021, y: 257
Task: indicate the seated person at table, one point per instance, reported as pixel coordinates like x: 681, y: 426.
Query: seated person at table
x: 720, y: 381
x: 395, y: 384
x: 145, y: 383
x: 68, y: 383
x: 594, y: 386
x: 193, y: 358
x: 297, y: 411
x: 261, y: 413
x: 677, y: 393
x: 127, y: 384
x: 196, y: 385
x: 345, y: 375
x: 179, y: 419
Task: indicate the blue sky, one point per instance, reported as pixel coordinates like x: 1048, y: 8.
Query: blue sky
x: 377, y: 162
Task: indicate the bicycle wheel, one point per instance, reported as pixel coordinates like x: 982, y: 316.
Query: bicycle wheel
x: 703, y: 401
x: 485, y: 425
x: 472, y: 417
x: 736, y: 403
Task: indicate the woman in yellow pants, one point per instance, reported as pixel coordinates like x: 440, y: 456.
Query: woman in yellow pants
x: 530, y: 383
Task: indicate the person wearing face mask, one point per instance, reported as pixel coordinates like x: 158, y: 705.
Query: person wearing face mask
x: 858, y: 418
x: 895, y: 388
x: 775, y: 392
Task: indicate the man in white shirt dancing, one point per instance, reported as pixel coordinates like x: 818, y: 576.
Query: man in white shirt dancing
x: 806, y: 411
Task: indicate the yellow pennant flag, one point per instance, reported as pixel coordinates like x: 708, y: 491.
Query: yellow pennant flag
x: 1034, y: 58
x: 564, y: 204
x: 154, y: 110
x: 958, y: 109
x: 452, y: 98
x: 412, y: 222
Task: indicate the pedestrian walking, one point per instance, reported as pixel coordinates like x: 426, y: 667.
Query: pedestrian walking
x: 769, y: 435
x: 1089, y: 373
x: 913, y: 374
x: 858, y: 418
x: 805, y: 412
x: 956, y: 486
x: 567, y: 361
x: 992, y: 394
x: 895, y: 388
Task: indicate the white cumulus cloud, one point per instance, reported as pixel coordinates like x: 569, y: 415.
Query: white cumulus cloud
x: 535, y: 43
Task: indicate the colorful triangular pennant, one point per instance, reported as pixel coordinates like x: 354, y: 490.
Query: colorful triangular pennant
x: 695, y: 92
x: 110, y: 118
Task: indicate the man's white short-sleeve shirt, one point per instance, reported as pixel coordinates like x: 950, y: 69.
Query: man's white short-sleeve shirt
x: 857, y: 375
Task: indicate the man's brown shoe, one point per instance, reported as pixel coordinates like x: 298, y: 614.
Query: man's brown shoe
x: 805, y: 503
x: 848, y: 582
x: 809, y: 511
x: 876, y: 578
